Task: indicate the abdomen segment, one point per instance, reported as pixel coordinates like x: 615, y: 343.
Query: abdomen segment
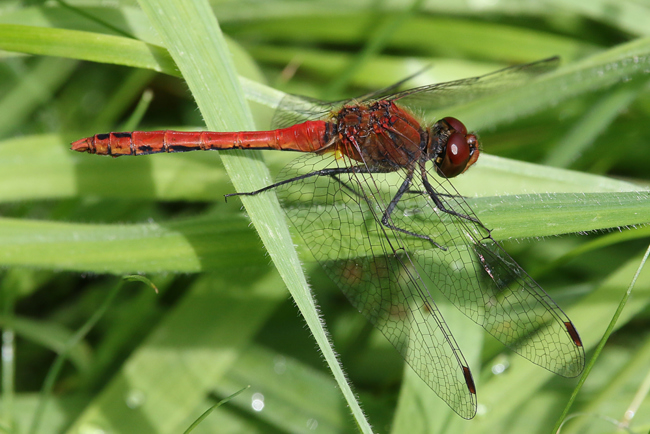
x: 308, y: 136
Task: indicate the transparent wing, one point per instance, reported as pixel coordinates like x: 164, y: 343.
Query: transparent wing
x: 294, y: 109
x: 451, y: 93
x: 486, y: 284
x: 341, y: 223
x: 339, y: 219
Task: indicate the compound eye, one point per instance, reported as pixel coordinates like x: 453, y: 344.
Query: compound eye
x: 457, y: 149
x: 456, y: 125
x: 456, y: 156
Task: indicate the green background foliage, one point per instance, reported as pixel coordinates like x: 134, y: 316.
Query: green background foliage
x: 83, y: 350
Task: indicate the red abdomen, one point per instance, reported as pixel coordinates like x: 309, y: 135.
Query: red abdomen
x: 310, y: 136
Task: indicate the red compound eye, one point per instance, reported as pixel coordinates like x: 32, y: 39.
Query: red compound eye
x: 457, y: 155
x: 457, y: 150
x: 456, y: 125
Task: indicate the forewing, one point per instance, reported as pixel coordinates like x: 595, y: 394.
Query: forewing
x: 295, y: 109
x: 339, y: 219
x: 451, y: 93
x: 486, y: 284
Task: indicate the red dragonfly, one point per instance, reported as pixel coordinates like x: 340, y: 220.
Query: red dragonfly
x: 387, y: 228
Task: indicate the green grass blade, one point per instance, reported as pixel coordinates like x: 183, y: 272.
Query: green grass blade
x: 74, y: 340
x: 52, y: 336
x: 35, y: 89
x: 603, y: 341
x: 218, y: 241
x: 101, y: 48
x: 592, y: 125
x: 204, y: 59
x: 75, y: 44
x: 43, y: 167
x: 287, y: 407
x: 211, y: 409
x: 621, y: 63
x: 162, y: 386
x: 504, y: 394
x: 630, y: 16
x: 210, y: 243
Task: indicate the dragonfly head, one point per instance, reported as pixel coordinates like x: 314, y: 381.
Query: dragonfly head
x: 454, y: 150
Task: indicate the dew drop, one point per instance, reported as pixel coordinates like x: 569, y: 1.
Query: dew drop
x: 135, y: 399
x: 258, y: 402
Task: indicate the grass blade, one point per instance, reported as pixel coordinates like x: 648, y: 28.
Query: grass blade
x: 204, y: 59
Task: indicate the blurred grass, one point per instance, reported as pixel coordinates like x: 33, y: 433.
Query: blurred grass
x: 155, y: 363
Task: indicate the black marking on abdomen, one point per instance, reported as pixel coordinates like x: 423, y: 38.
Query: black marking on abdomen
x: 179, y: 148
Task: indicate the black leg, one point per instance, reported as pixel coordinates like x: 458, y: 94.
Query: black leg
x: 422, y: 193
x: 325, y: 172
x: 435, y: 197
x: 385, y: 219
x: 350, y: 189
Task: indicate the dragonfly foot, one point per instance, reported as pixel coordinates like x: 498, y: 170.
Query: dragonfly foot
x: 246, y: 193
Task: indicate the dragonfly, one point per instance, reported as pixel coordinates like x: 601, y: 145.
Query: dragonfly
x: 372, y: 198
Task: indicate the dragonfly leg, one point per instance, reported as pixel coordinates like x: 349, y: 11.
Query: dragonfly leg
x: 385, y: 219
x: 347, y: 187
x: 325, y: 172
x: 435, y: 197
x: 423, y: 193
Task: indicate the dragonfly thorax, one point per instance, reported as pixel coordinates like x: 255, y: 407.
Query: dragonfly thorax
x: 380, y: 135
